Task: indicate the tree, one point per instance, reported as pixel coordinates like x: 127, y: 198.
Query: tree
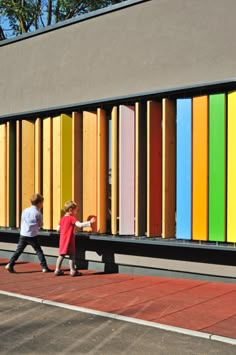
x: 21, y: 16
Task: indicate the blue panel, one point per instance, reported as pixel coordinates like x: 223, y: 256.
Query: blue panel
x: 184, y: 169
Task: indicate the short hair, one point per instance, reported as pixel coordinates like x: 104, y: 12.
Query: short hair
x: 69, y: 205
x: 36, y: 198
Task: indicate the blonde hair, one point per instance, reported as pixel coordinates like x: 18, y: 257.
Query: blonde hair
x: 36, y: 198
x: 69, y: 205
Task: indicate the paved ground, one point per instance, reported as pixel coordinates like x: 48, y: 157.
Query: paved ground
x: 32, y: 328
x: 203, y: 306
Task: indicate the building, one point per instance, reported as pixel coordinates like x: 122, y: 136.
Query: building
x: 143, y: 92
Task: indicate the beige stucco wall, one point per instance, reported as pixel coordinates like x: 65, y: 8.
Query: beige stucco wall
x: 152, y: 46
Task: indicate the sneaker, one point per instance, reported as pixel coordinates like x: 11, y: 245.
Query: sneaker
x: 75, y: 273
x: 46, y: 269
x: 58, y: 272
x: 10, y: 268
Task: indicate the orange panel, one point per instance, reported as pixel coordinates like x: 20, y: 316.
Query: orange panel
x: 200, y: 168
x: 154, y: 169
x: 102, y: 170
x: 77, y: 161
x: 3, y: 175
x: 28, y: 162
x: 38, y: 135
x: 90, y: 166
x: 18, y: 173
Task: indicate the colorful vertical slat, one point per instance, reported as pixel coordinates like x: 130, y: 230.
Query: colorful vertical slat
x: 47, y: 173
x: 3, y: 174
x: 77, y: 161
x: 56, y: 168
x: 184, y: 169
x: 62, y: 164
x: 217, y: 166
x: 28, y: 162
x: 140, y: 168
x: 18, y: 173
x: 231, y: 184
x: 114, y: 172
x: 154, y: 169
x: 90, y: 166
x: 126, y: 170
x: 200, y: 169
x: 11, y: 174
x: 168, y: 168
x: 102, y: 170
x: 66, y: 158
x: 38, y: 152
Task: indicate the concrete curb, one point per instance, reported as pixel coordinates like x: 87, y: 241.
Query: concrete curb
x: 169, y: 328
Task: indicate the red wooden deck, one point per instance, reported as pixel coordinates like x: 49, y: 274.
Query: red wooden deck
x: 197, y: 305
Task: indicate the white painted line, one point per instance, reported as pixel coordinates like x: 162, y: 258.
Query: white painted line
x: 18, y: 295
x: 124, y: 318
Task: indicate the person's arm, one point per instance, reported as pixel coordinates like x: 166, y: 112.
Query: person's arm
x: 82, y: 224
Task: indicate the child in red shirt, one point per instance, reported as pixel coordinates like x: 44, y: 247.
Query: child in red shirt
x: 66, y: 228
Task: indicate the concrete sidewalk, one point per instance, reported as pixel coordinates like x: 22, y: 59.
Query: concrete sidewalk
x: 206, y: 307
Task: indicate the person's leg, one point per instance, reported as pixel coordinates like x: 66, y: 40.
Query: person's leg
x: 33, y: 241
x: 59, y: 263
x: 19, y: 250
x: 73, y: 271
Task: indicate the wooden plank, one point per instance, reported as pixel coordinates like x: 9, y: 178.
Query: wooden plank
x: 126, y: 170
x: 184, y: 169
x: 18, y: 173
x: 200, y: 169
x: 217, y: 168
x: 140, y: 168
x: 77, y: 161
x: 90, y: 167
x: 154, y: 169
x: 28, y: 162
x: 11, y: 174
x: 38, y: 153
x: 114, y: 171
x: 231, y: 185
x: 168, y: 168
x: 102, y: 171
x: 66, y: 159
x: 56, y: 168
x: 3, y: 174
x: 47, y: 173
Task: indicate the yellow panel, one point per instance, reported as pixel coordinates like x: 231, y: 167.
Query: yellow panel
x: 114, y: 173
x: 11, y: 174
x: 90, y: 166
x: 47, y: 173
x: 3, y: 175
x: 77, y: 161
x: 140, y: 168
x: 28, y: 162
x: 231, y: 186
x: 168, y: 168
x: 18, y: 173
x: 38, y: 135
x: 66, y: 158
x: 102, y: 171
x: 56, y: 186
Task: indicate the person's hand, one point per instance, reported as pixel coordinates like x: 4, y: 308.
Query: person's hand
x: 92, y: 220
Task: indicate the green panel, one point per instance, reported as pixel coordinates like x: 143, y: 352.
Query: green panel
x: 12, y: 174
x: 217, y: 166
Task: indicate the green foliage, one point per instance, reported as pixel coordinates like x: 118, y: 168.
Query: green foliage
x: 21, y: 16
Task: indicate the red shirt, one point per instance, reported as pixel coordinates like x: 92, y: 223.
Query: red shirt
x: 67, y: 236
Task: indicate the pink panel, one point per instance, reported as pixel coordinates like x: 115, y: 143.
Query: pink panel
x: 127, y: 168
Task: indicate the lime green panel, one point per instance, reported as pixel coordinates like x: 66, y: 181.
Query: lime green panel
x: 12, y: 174
x: 66, y: 158
x: 217, y: 168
